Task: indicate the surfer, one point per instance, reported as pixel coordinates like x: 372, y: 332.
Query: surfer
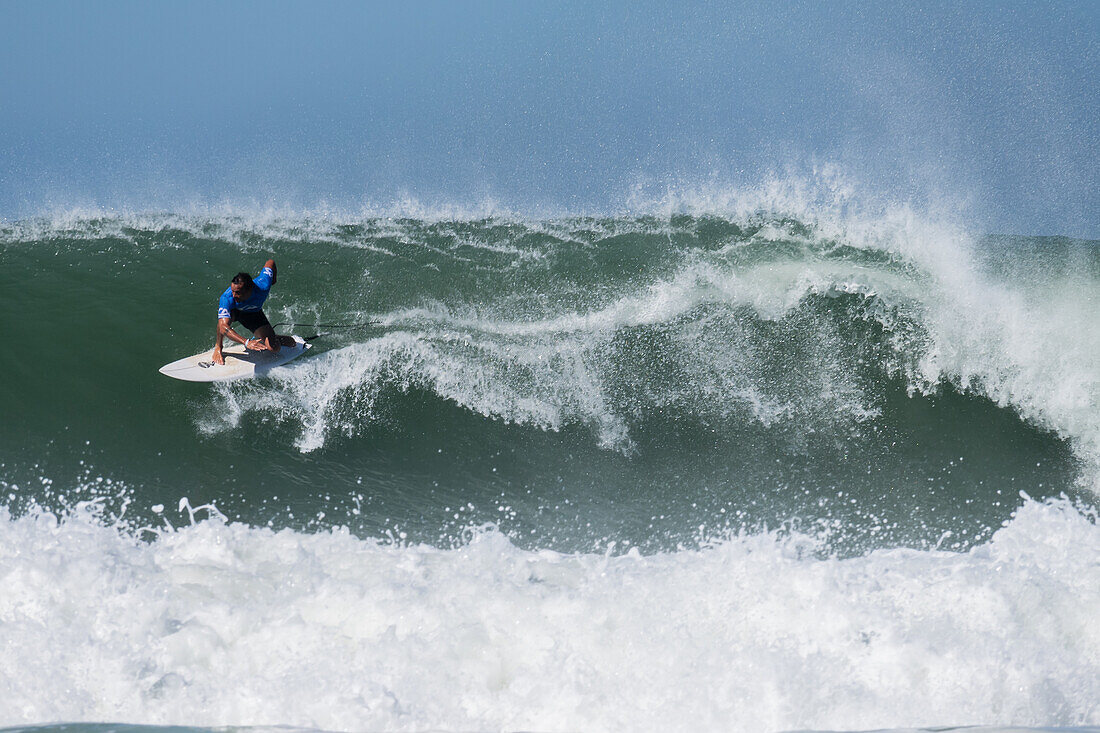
x: 243, y: 301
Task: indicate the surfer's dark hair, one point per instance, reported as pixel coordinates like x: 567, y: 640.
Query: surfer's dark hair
x: 242, y: 278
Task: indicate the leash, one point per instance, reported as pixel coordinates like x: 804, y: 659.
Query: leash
x: 362, y: 325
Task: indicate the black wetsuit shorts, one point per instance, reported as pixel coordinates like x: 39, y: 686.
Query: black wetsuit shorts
x: 250, y: 319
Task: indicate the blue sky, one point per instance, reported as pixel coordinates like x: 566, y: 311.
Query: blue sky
x: 548, y: 106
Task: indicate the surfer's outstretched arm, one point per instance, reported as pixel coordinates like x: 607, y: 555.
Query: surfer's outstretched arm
x: 225, y: 329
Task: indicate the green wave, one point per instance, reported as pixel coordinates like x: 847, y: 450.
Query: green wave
x: 652, y: 380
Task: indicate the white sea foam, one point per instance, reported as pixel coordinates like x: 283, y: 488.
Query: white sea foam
x: 222, y: 624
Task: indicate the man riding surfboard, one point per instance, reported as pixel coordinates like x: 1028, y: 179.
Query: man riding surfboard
x: 243, y: 301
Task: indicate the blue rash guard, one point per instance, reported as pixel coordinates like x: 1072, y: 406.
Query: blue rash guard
x: 261, y: 287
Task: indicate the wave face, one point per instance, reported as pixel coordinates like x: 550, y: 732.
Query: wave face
x: 783, y: 467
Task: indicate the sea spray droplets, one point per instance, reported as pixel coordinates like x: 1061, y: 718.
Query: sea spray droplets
x: 540, y: 384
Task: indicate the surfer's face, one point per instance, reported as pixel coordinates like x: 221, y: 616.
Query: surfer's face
x: 240, y: 292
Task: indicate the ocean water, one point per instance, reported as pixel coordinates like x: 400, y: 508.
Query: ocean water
x: 770, y: 468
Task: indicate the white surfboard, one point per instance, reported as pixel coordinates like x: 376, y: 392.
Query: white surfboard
x: 240, y: 363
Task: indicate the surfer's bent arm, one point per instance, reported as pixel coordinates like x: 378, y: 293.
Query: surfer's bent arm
x: 274, y: 272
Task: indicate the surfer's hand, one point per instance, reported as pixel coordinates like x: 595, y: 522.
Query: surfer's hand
x: 255, y: 345
x: 218, y: 358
